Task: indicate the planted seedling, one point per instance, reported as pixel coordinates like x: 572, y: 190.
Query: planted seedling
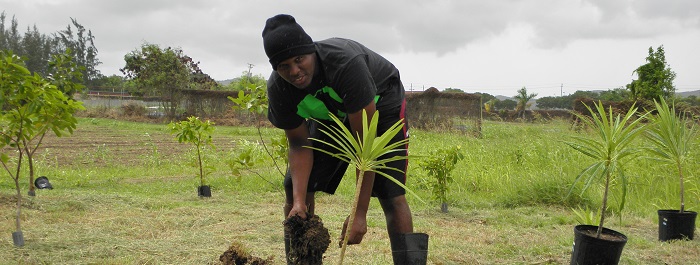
x: 439, y: 165
x: 31, y: 107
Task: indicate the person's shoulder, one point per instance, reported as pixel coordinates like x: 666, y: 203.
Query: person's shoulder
x: 276, y: 85
x: 339, y: 50
x: 337, y: 42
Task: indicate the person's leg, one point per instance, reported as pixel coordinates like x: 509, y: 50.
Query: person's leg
x: 398, y: 215
x: 407, y: 247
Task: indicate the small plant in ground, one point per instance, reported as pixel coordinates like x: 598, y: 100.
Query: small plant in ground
x: 671, y: 138
x: 610, y: 149
x: 585, y: 216
x: 245, y: 158
x: 439, y: 165
x: 197, y: 132
x: 152, y: 158
x: 256, y: 103
x: 363, y: 152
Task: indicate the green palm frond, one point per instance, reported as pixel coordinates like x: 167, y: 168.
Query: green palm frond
x: 364, y: 151
x: 610, y: 148
x: 671, y: 135
x: 671, y: 138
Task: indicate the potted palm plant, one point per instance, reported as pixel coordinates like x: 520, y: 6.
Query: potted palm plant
x: 671, y: 137
x: 610, y: 149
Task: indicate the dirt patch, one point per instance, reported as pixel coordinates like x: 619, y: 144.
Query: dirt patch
x: 237, y: 255
x: 308, y: 239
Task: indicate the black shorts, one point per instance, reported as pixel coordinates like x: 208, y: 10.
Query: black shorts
x: 327, y: 171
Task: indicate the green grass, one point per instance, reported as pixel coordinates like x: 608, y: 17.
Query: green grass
x: 125, y: 194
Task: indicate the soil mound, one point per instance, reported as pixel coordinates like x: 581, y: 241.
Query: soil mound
x: 237, y: 255
x: 308, y: 240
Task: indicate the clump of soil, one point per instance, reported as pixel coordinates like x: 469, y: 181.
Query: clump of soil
x: 237, y: 255
x: 308, y: 240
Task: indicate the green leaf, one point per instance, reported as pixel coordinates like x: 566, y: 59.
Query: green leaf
x: 363, y: 151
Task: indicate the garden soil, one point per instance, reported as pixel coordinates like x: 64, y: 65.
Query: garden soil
x: 237, y: 255
x: 308, y: 240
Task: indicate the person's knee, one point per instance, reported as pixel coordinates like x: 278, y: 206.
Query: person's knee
x: 391, y: 205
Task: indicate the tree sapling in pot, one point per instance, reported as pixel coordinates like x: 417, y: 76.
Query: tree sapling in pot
x: 197, y: 132
x: 31, y: 106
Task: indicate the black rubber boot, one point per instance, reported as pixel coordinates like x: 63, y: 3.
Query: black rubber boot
x: 410, y: 249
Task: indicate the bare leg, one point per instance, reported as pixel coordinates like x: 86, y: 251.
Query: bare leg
x: 406, y: 247
x: 398, y: 215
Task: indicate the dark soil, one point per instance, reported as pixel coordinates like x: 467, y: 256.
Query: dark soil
x: 604, y: 236
x: 237, y: 255
x: 309, y: 240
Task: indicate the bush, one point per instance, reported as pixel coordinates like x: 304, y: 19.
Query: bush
x: 133, y: 109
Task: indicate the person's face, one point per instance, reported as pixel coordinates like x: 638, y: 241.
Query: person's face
x: 298, y: 70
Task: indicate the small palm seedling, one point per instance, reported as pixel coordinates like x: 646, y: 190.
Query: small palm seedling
x: 363, y: 151
x: 610, y: 149
x: 671, y: 139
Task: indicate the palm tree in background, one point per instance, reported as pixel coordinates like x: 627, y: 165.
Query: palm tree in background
x: 523, y: 98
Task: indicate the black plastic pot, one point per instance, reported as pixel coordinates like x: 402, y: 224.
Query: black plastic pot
x: 676, y: 225
x: 204, y: 191
x: 18, y: 238
x: 591, y: 250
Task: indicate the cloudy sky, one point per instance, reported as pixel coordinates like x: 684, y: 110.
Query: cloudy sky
x: 551, y: 47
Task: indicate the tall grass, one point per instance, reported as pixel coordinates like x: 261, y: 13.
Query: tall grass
x: 139, y: 205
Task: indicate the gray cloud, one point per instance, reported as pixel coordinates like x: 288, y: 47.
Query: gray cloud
x: 229, y: 32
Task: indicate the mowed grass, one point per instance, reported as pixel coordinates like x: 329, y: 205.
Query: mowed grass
x: 125, y: 193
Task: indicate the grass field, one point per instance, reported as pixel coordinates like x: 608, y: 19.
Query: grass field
x: 125, y: 193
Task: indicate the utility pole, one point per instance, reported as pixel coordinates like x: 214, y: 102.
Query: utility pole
x: 561, y: 90
x: 250, y: 67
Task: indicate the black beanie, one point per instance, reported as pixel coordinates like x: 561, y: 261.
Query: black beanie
x: 284, y: 38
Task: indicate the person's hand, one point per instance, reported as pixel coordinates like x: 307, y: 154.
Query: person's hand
x: 357, y: 231
x: 298, y: 209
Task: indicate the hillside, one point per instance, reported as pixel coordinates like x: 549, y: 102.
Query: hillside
x: 689, y: 93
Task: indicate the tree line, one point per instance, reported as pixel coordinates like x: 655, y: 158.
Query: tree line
x: 149, y: 71
x: 36, y: 48
x: 655, y: 81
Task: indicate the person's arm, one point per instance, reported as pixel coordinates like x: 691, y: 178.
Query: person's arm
x: 300, y: 163
x: 359, y: 228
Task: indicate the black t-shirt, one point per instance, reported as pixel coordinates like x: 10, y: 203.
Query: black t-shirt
x: 351, y: 76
